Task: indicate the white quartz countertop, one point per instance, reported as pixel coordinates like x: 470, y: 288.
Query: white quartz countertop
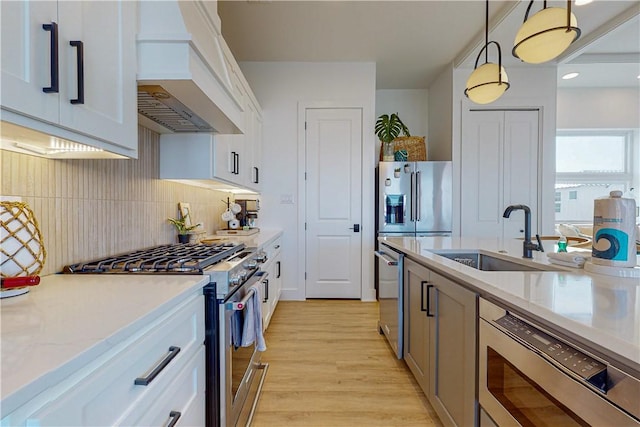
x: 602, y: 312
x: 67, y: 321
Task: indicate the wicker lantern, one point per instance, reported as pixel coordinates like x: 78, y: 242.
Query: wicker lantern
x: 22, y: 252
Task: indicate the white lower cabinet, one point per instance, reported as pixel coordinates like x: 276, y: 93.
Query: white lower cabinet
x: 166, y: 355
x: 273, y: 286
x: 182, y: 402
x: 440, y: 342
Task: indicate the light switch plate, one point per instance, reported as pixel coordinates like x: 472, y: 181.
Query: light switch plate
x: 286, y: 199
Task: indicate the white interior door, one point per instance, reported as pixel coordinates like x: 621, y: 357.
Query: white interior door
x: 333, y: 202
x: 499, y: 167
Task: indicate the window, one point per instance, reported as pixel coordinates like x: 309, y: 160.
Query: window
x: 590, y: 164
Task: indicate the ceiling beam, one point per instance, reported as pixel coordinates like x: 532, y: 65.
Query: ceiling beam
x: 606, y: 58
x: 580, y: 45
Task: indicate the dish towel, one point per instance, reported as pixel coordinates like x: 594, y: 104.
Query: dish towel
x: 236, y: 328
x: 568, y: 259
x: 252, y: 328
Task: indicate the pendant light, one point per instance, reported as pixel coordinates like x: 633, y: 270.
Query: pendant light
x: 546, y: 35
x: 489, y: 81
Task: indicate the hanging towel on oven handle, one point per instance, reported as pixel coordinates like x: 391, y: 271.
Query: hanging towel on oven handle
x: 252, y: 328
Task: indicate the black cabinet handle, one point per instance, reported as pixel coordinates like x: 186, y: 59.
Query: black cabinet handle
x: 174, y: 416
x: 266, y: 290
x: 173, y: 352
x: 278, y: 265
x: 233, y: 162
x: 422, y: 295
x: 53, y: 27
x: 257, y: 171
x: 429, y: 314
x: 80, y: 67
x: 237, y: 166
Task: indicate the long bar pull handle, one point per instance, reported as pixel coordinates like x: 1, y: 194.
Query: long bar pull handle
x: 266, y: 290
x: 174, y: 416
x: 232, y: 166
x: 237, y: 164
x: 53, y: 27
x: 257, y: 175
x: 417, y: 198
x: 173, y: 352
x: 279, y: 266
x: 411, y: 197
x: 80, y: 67
x: 429, y: 314
x: 422, y: 295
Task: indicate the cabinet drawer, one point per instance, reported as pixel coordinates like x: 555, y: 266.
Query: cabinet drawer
x: 182, y: 399
x: 108, y: 392
x: 273, y: 248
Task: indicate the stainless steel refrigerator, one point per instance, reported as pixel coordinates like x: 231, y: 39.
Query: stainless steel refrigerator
x: 414, y: 198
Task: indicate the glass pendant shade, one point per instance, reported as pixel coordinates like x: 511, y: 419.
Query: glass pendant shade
x: 487, y: 83
x: 545, y: 35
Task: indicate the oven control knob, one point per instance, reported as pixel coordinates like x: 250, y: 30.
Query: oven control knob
x: 252, y: 264
x: 261, y: 257
x: 235, y: 280
x: 242, y: 274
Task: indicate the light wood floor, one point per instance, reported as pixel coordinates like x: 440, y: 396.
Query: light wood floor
x: 329, y: 367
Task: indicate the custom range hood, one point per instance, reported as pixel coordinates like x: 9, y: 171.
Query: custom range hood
x: 187, y: 77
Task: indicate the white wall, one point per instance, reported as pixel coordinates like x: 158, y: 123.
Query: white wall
x: 280, y: 88
x: 440, y: 117
x: 410, y: 104
x: 599, y: 108
x: 531, y: 87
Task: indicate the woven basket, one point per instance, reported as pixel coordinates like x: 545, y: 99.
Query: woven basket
x: 415, y: 146
x: 21, y: 250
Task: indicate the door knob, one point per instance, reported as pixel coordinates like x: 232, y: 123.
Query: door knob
x: 355, y: 228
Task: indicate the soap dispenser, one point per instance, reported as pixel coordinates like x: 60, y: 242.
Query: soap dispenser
x: 562, y: 244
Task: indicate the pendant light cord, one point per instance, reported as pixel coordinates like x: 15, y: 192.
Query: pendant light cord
x: 486, y: 32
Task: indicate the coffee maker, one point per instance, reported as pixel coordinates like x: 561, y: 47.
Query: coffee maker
x: 248, y: 216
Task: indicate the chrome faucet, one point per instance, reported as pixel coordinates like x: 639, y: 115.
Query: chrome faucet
x: 527, y: 246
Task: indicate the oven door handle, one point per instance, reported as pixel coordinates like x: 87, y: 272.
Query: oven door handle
x: 242, y: 304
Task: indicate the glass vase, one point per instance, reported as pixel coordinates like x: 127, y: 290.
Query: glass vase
x: 387, y: 151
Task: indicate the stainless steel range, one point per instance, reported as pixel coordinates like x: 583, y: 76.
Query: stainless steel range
x: 234, y: 372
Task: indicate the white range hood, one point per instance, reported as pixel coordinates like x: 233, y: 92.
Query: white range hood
x: 187, y: 77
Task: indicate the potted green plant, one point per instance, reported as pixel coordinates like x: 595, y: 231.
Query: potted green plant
x: 182, y: 228
x: 388, y: 128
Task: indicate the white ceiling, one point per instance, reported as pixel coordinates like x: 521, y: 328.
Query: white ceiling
x: 413, y: 41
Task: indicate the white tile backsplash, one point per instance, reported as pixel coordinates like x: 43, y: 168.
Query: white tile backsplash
x: 94, y: 208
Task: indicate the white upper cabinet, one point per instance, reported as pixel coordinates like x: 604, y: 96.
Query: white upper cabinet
x: 68, y: 71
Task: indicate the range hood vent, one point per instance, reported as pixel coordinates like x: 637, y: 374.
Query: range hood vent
x: 187, y: 77
x: 160, y: 106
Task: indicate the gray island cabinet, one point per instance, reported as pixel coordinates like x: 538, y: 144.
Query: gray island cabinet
x: 440, y: 341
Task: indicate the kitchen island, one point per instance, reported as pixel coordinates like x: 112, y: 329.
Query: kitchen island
x: 454, y: 293
x: 600, y: 312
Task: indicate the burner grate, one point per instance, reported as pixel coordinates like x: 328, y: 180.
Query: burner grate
x: 173, y: 258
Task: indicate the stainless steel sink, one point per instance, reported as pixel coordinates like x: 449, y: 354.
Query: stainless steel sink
x: 481, y: 261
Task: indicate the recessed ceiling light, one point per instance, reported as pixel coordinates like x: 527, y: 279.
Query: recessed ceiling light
x: 569, y: 76
x: 582, y: 2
